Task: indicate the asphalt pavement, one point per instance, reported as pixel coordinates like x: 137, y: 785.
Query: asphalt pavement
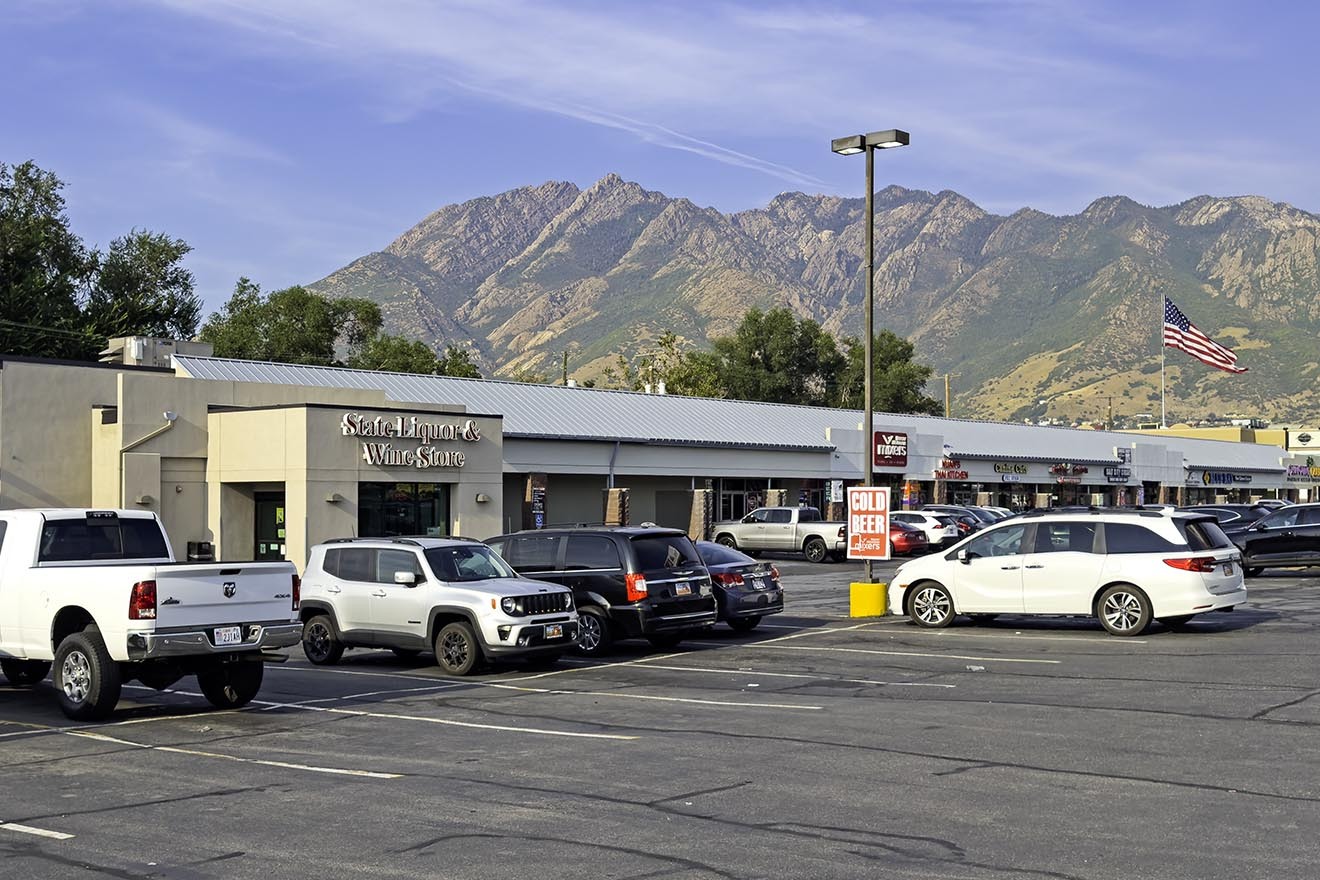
x: 817, y: 746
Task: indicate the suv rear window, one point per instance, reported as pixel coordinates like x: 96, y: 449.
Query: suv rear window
x: 1129, y: 538
x: 664, y: 551
x: 69, y: 540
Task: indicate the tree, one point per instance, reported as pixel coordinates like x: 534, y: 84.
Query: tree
x: 672, y: 360
x: 896, y: 380
x: 42, y: 266
x: 140, y: 288
x: 292, y: 326
x: 775, y: 357
x: 399, y: 354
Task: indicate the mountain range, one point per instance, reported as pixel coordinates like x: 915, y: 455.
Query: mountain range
x: 1034, y: 315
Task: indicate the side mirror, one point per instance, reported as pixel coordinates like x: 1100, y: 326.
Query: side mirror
x: 749, y: 518
x: 964, y: 557
x: 405, y: 577
x: 1256, y: 527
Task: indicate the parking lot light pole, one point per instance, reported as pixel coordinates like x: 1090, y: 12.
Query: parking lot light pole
x: 847, y: 146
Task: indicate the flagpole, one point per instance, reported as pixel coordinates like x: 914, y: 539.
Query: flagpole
x: 1163, y: 423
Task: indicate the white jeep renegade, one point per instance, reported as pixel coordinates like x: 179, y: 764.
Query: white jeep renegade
x: 453, y: 596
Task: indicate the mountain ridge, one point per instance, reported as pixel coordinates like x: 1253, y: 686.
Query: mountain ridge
x: 1027, y: 307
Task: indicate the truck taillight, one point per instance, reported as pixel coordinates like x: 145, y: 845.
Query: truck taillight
x: 142, y: 601
x: 843, y: 531
x: 636, y: 586
x: 297, y: 590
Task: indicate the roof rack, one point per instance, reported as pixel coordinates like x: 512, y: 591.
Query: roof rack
x: 1091, y: 509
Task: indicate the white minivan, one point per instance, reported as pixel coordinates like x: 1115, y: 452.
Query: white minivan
x: 1124, y: 567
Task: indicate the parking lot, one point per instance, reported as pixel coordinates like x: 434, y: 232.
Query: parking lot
x: 817, y: 746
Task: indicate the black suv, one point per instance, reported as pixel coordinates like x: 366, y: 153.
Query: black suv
x: 1288, y: 536
x: 628, y: 582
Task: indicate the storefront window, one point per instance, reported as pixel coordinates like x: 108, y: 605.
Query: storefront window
x: 389, y: 509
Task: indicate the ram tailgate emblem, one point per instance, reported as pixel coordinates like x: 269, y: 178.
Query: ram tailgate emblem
x: 230, y: 589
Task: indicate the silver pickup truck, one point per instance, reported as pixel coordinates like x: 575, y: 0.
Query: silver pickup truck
x: 790, y: 529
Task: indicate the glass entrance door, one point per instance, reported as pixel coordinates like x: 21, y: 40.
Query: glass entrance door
x: 270, y: 538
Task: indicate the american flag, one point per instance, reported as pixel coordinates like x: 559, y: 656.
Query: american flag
x: 1182, y: 334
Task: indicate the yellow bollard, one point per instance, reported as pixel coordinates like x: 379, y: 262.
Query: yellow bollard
x: 868, y: 600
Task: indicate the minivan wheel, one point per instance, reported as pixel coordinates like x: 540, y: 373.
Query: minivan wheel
x: 815, y: 550
x: 1123, y: 610
x: 594, y: 638
x: 931, y: 606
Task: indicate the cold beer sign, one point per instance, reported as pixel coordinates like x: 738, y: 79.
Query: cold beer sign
x: 868, y: 522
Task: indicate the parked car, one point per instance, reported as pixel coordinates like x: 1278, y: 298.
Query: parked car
x: 745, y: 590
x: 941, y: 529
x: 454, y: 597
x: 790, y: 529
x: 628, y: 581
x: 981, y: 516
x: 1227, y: 514
x: 98, y: 595
x: 1289, y: 536
x: 1124, y: 567
x: 1273, y: 503
x: 906, y: 540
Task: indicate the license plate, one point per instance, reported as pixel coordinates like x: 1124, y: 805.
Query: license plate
x: 1228, y: 568
x: 229, y: 635
x: 554, y: 631
x: 757, y: 583
x: 682, y: 589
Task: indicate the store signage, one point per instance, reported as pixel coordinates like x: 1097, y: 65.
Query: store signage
x: 1011, y: 478
x: 1123, y: 454
x: 950, y: 474
x: 1068, y: 480
x: 1120, y: 473
x: 1303, y: 439
x: 1068, y: 470
x: 382, y: 452
x: 890, y: 448
x: 1221, y: 478
x: 836, y: 492
x: 1009, y: 468
x: 1304, y: 473
x: 868, y: 522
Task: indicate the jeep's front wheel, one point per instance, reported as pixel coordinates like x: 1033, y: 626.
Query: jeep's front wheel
x: 319, y: 642
x: 456, y: 648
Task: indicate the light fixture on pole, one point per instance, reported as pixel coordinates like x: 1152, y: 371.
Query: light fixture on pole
x: 847, y: 146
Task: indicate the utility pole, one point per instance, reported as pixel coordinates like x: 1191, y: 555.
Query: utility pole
x: 946, y: 391
x: 565, y: 367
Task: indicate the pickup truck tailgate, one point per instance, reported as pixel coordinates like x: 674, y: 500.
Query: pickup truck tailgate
x: 206, y: 595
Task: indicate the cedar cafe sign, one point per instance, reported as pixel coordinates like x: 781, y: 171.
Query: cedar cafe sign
x: 385, y: 454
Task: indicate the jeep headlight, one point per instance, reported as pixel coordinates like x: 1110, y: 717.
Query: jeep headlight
x: 510, y: 605
x: 568, y: 602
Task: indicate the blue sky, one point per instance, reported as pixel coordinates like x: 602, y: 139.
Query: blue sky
x: 283, y: 138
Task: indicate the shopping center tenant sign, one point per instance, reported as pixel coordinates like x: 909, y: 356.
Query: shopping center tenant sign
x: 868, y: 522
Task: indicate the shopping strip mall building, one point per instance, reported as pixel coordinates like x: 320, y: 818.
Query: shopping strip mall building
x: 263, y: 460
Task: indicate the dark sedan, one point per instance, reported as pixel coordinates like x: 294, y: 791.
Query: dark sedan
x: 745, y: 590
x: 1290, y: 536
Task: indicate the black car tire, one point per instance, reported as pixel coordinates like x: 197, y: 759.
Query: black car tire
x: 665, y: 641
x: 727, y: 541
x: 744, y: 624
x: 815, y: 550
x: 594, y: 625
x: 232, y: 684
x: 87, y: 678
x: 456, y: 649
x: 1123, y: 610
x: 930, y: 605
x: 319, y: 643
x: 24, y: 673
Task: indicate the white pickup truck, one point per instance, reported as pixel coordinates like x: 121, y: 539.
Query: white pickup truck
x: 98, y: 594
x: 790, y: 529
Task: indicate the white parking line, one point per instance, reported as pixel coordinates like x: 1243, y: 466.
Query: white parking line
x: 452, y: 723
x: 736, y: 672
x: 1080, y: 637
x: 39, y: 832
x: 197, y: 753
x: 737, y: 704
x: 901, y: 653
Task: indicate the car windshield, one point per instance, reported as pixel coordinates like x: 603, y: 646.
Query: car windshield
x: 467, y: 562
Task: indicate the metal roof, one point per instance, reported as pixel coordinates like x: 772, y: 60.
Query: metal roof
x: 555, y: 412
